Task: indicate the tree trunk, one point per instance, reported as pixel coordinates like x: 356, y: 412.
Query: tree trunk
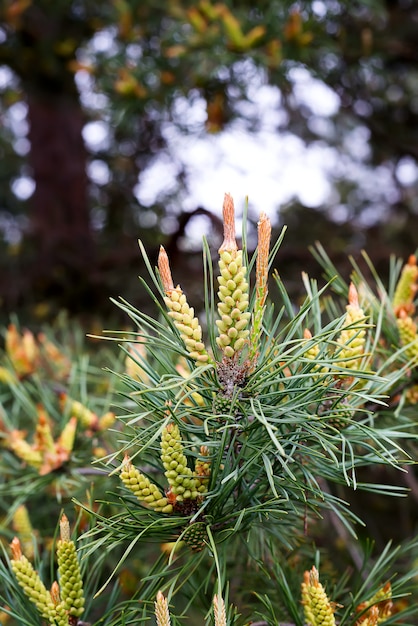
x: 59, y: 220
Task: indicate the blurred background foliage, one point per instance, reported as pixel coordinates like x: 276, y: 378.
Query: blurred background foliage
x: 91, y: 92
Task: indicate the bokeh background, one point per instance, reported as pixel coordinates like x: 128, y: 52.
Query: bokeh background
x: 129, y: 119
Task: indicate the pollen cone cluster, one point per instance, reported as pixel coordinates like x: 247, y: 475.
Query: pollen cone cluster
x: 143, y: 488
x: 23, y: 527
x: 233, y: 289
x: 312, y: 353
x: 318, y: 609
x: 30, y: 582
x: 403, y: 299
x: 408, y: 335
x: 353, y: 336
x: 183, y: 484
x: 404, y: 308
x: 64, y: 603
x: 71, y: 583
x: 376, y: 610
x: 183, y: 315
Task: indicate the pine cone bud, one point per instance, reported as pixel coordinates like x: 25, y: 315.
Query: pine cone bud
x: 181, y: 313
x: 144, y: 490
x: 403, y: 299
x: 71, y: 583
x: 85, y: 417
x: 202, y: 470
x: 23, y: 449
x: 411, y: 394
x: 318, y: 609
x: 44, y: 440
x: 261, y: 281
x: 261, y: 273
x: 379, y: 607
x: 66, y: 440
x: 369, y: 617
x: 22, y: 351
x: 228, y: 211
x: 62, y: 618
x: 408, y: 335
x: 180, y: 477
x: 352, y: 337
x: 219, y: 611
x: 162, y: 614
x: 23, y: 527
x: 195, y: 536
x: 312, y: 353
x: 233, y: 289
x: 30, y: 582
x: 233, y: 303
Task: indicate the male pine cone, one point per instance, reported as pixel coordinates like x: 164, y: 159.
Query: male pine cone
x: 233, y: 289
x: 143, y: 488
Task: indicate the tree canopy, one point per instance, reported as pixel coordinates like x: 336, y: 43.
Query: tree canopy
x: 133, y: 69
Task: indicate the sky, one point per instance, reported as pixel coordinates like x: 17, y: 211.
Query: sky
x: 270, y: 167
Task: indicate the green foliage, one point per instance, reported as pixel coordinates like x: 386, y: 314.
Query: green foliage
x: 221, y: 474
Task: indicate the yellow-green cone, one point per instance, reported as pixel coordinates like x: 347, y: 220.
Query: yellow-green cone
x: 24, y: 450
x: 85, y: 417
x: 31, y: 584
x: 23, y: 527
x: 183, y: 315
x: 143, y: 488
x: 67, y: 437
x: 318, y: 609
x: 71, y: 583
x: 403, y: 299
x: 202, y: 470
x: 352, y: 337
x: 233, y: 289
x: 180, y: 477
x: 379, y: 607
x: 312, y: 353
x: 408, y: 335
